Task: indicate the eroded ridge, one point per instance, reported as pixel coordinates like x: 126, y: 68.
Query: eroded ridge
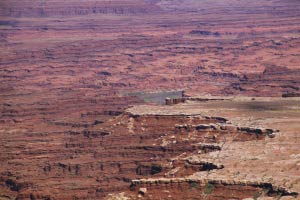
x: 69, y: 70
x: 203, y: 168
x: 144, y: 146
x: 191, y: 188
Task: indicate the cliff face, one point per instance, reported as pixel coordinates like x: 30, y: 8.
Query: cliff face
x: 56, y: 8
x: 204, y: 154
x: 204, y: 189
x: 97, y: 159
x: 70, y: 69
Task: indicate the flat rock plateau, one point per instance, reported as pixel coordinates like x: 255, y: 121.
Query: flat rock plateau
x: 149, y: 99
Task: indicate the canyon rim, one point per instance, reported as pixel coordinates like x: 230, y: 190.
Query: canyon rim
x: 149, y: 99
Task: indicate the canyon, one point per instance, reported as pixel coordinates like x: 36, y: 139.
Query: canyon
x: 149, y: 99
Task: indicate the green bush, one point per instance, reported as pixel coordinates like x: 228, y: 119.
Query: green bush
x: 193, y: 184
x: 208, y: 189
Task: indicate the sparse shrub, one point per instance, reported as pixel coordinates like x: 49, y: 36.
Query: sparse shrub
x: 193, y: 184
x: 208, y: 189
x: 279, y: 194
x: 294, y: 194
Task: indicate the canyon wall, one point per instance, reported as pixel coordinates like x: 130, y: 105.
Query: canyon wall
x: 66, y: 69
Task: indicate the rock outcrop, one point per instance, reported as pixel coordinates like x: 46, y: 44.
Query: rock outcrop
x: 204, y: 188
x: 70, y: 69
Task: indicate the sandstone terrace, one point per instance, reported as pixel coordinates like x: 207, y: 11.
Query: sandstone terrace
x: 65, y: 67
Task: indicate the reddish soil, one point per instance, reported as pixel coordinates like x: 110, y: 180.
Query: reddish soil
x: 68, y: 71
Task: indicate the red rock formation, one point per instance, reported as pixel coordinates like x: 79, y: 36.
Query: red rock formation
x: 65, y: 67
